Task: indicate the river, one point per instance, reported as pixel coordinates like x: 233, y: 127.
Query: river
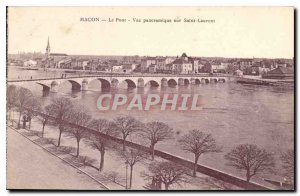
x: 233, y: 113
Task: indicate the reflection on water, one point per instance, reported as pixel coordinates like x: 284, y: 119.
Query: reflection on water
x: 233, y: 113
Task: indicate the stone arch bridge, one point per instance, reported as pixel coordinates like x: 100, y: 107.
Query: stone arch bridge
x: 132, y: 81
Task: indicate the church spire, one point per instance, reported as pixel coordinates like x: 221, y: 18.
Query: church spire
x: 48, y: 48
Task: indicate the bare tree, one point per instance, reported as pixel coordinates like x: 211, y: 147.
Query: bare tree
x: 131, y: 158
x: 11, y: 99
x: 79, y: 118
x: 60, y: 111
x: 250, y: 158
x: 24, y: 96
x: 166, y: 172
x: 155, y: 132
x: 198, y: 143
x: 33, y: 107
x: 126, y: 125
x: 288, y: 164
x: 97, y: 141
x: 46, y: 116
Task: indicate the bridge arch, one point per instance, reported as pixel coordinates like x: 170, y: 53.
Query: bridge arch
x: 105, y: 84
x: 152, y: 83
x: 204, y: 80
x: 186, y: 81
x: 172, y: 82
x: 45, y: 87
x: 213, y: 80
x: 99, y: 83
x: 130, y: 83
x: 222, y: 80
x: 75, y: 85
x: 197, y: 81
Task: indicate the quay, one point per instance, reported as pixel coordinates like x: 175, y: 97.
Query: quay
x: 266, y: 82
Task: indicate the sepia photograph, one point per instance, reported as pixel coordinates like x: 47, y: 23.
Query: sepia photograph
x: 150, y: 98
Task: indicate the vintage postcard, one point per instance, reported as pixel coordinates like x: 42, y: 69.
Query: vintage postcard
x: 150, y: 98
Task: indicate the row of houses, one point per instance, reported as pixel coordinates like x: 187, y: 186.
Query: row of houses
x: 189, y: 65
x: 169, y: 65
x: 176, y: 65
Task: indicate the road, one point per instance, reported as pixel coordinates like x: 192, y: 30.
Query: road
x: 31, y: 167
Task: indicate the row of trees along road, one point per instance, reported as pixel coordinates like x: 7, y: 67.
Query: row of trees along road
x: 70, y: 118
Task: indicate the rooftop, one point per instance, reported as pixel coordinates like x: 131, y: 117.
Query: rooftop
x: 281, y: 70
x: 184, y: 55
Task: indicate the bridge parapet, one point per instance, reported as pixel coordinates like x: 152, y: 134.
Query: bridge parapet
x: 132, y: 81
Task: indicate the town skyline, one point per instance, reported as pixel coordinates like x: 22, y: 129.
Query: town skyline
x: 120, y: 55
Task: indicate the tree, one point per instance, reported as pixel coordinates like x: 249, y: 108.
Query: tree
x: 61, y: 108
x: 155, y: 132
x: 288, y: 164
x: 24, y: 96
x: 231, y: 68
x: 131, y: 158
x: 206, y: 68
x: 167, y: 172
x: 198, y: 143
x: 33, y: 107
x: 97, y: 141
x: 126, y: 125
x: 46, y: 116
x: 78, y: 120
x: 250, y: 158
x: 11, y: 99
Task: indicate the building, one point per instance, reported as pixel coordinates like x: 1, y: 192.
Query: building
x: 85, y: 65
x: 30, y: 63
x: 117, y: 68
x: 279, y: 73
x: 47, y: 55
x: 146, y: 62
x: 238, y: 72
x: 169, y: 68
x: 218, y: 67
x: 53, y: 60
x: 160, y: 64
x: 196, y: 65
x: 280, y: 64
x: 128, y: 67
x: 183, y: 65
x: 48, y: 49
x: 64, y: 63
x: 255, y: 69
x: 152, y: 68
x: 245, y: 63
x: 169, y: 60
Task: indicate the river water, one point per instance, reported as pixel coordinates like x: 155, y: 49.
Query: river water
x: 233, y: 113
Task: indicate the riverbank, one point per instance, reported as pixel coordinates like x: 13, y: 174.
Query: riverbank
x: 256, y: 80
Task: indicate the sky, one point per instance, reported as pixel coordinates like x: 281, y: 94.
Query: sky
x: 242, y: 32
